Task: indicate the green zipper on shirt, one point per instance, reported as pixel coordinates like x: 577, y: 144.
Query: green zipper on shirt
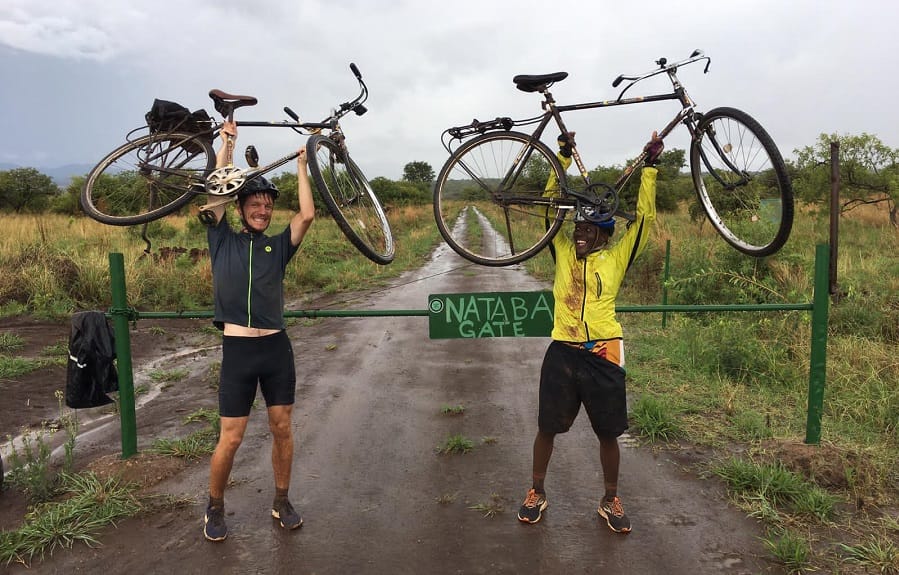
x: 250, y: 285
x: 584, y: 302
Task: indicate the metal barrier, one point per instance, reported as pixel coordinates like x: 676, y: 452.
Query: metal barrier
x: 819, y: 306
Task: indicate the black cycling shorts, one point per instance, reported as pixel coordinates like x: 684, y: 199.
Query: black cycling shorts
x: 571, y: 376
x: 248, y: 362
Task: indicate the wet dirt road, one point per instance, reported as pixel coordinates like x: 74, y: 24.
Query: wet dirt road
x: 367, y: 478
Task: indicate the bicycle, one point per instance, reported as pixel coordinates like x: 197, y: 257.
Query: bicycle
x: 158, y: 173
x: 492, y: 208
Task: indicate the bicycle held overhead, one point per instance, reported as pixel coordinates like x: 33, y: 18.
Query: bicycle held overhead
x: 491, y: 206
x: 159, y: 172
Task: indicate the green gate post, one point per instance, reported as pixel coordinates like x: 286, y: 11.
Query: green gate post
x: 666, y: 276
x: 120, y: 313
x: 818, y: 360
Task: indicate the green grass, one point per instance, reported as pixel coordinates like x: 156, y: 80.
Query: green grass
x: 452, y: 409
x: 10, y: 342
x: 169, y: 375
x: 89, y: 505
x: 13, y: 367
x: 790, y: 549
x: 876, y: 552
x: 655, y: 418
x: 195, y: 446
x: 491, y: 508
x: 455, y: 444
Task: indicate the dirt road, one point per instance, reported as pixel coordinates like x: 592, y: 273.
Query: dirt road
x: 377, y: 498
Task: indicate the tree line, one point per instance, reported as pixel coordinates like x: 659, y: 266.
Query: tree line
x: 869, y: 173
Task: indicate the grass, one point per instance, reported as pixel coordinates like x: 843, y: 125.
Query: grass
x: 491, y: 508
x: 10, y: 342
x: 877, y: 552
x: 195, y: 446
x: 90, y: 504
x: 655, y: 418
x: 791, y: 549
x: 452, y: 409
x: 170, y: 375
x: 455, y: 444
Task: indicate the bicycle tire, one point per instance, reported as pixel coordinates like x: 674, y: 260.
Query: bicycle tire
x: 742, y: 182
x: 350, y: 199
x: 148, y: 178
x: 473, y: 204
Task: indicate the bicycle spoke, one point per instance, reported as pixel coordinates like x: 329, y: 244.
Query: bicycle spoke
x: 489, y: 199
x: 742, y: 182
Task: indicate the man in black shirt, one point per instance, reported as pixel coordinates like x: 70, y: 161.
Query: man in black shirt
x: 248, y: 273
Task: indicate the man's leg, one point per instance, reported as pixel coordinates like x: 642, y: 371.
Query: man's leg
x: 232, y: 430
x: 610, y: 507
x: 279, y: 421
x: 230, y: 438
x: 610, y: 458
x: 543, y: 451
x: 531, y: 510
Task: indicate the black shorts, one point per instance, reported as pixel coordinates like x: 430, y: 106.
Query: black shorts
x: 571, y: 377
x: 250, y: 361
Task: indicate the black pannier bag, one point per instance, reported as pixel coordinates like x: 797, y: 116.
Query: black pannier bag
x: 167, y: 116
x: 90, y: 373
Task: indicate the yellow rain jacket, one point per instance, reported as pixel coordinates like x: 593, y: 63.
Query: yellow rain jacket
x: 585, y: 290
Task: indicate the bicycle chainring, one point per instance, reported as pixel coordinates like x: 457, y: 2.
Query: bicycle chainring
x: 225, y: 181
x: 603, y: 203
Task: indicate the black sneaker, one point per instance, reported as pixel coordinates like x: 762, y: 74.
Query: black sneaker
x: 532, y: 509
x: 284, y: 511
x: 214, y: 524
x: 612, y: 511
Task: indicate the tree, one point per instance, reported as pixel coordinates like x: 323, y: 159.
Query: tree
x: 869, y: 172
x: 26, y: 189
x: 403, y: 193
x: 418, y: 173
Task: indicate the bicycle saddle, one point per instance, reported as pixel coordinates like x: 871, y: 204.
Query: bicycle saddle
x: 538, y: 83
x: 226, y: 103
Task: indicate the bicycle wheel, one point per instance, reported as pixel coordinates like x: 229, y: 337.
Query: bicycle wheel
x: 742, y: 182
x: 350, y: 199
x: 147, y: 179
x: 486, y: 199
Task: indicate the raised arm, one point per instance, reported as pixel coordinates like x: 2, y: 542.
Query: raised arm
x: 301, y: 221
x: 223, y: 158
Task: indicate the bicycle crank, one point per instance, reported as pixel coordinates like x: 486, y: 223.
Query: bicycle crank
x: 225, y: 181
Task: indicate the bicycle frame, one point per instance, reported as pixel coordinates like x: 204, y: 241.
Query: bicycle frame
x: 553, y: 113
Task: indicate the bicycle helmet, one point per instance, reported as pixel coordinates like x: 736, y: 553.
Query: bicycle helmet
x: 258, y: 185
x: 597, y: 217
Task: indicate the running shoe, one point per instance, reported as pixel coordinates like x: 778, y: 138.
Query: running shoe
x: 532, y: 509
x: 612, y: 511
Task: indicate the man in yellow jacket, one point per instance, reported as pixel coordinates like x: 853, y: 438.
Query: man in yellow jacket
x: 584, y: 363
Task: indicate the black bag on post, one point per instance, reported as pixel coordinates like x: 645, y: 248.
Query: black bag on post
x: 90, y: 373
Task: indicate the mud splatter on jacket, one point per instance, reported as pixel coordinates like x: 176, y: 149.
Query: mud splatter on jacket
x: 585, y: 290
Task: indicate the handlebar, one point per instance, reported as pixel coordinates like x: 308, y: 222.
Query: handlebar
x: 663, y: 66
x: 354, y: 105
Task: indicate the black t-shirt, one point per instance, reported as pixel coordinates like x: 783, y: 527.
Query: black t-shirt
x: 248, y: 276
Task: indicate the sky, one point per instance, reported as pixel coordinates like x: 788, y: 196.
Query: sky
x: 77, y: 75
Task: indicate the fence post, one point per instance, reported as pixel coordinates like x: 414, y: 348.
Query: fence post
x: 665, y: 275
x: 119, y: 312
x: 818, y: 358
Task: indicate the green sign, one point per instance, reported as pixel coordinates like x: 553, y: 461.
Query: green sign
x: 497, y: 314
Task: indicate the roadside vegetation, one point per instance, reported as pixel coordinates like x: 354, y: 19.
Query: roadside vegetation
x: 735, y: 384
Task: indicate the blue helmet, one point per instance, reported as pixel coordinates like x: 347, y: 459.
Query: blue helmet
x: 597, y: 217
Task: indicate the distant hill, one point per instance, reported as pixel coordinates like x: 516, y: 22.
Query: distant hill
x: 62, y: 175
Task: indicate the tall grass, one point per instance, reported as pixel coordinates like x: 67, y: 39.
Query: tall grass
x: 54, y: 265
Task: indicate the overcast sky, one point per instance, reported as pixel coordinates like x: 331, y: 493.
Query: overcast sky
x: 76, y: 75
